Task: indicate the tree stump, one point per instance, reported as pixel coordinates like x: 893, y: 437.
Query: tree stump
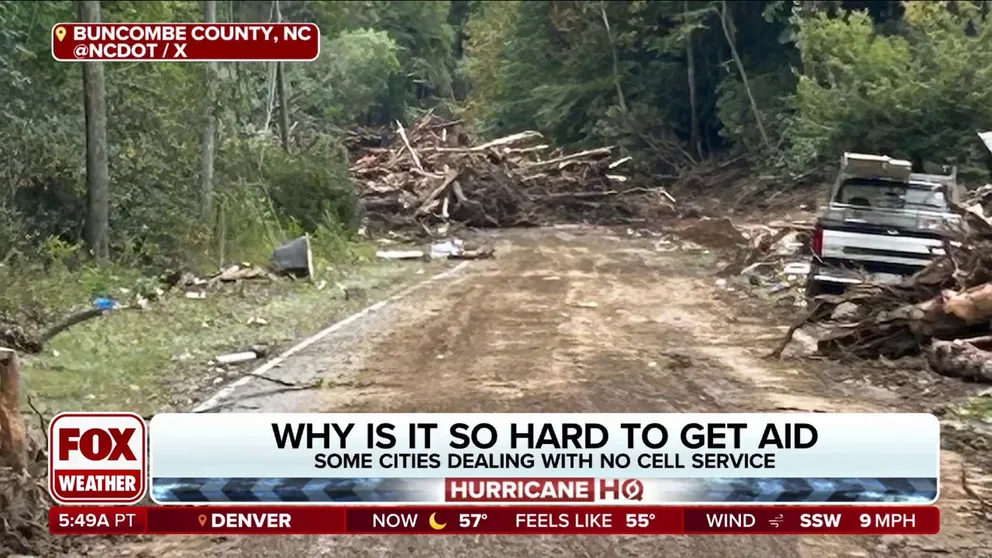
x: 12, y: 432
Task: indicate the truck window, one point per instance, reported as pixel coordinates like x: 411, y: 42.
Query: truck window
x: 888, y: 194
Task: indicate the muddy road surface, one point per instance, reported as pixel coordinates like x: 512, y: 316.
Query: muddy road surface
x: 572, y: 320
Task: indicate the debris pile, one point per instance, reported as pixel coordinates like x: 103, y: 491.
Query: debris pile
x: 944, y: 310
x: 433, y: 174
x: 768, y: 261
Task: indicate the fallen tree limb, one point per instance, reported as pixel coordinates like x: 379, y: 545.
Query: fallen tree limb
x: 72, y: 320
x: 810, y: 316
x: 406, y: 142
x: 984, y: 504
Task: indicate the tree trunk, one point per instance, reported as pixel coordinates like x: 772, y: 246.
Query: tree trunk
x: 740, y: 68
x: 616, y: 59
x: 208, y: 141
x: 97, y: 169
x: 13, y: 443
x: 283, y: 100
x: 693, y: 103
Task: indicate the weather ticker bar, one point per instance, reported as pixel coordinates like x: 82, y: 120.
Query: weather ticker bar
x: 495, y: 520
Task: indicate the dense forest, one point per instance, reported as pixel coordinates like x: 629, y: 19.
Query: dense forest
x: 207, y: 162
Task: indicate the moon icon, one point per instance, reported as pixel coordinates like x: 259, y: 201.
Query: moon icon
x: 434, y: 524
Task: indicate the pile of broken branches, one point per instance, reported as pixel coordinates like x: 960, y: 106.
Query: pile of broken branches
x: 944, y: 310
x: 431, y: 175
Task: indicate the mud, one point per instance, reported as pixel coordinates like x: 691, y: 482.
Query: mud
x: 577, y: 320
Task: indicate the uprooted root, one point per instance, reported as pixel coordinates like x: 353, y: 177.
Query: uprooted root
x: 24, y: 501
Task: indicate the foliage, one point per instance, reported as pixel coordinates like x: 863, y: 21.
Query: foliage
x: 908, y: 79
x: 378, y: 58
x: 922, y: 94
x: 355, y: 72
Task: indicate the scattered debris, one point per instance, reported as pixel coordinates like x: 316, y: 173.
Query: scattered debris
x: 453, y: 249
x: 447, y: 248
x: 254, y: 320
x: 196, y: 295
x: 587, y: 304
x: 796, y: 268
x: 477, y: 254
x: 846, y: 311
x: 431, y: 175
x: 241, y: 272
x: 294, y: 259
x: 105, y: 304
x: 256, y: 351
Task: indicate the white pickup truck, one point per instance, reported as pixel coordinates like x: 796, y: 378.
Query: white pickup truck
x: 883, y: 223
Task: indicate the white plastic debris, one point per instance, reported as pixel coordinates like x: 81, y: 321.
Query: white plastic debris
x: 796, y: 268
x: 441, y: 250
x: 232, y: 358
x: 400, y: 254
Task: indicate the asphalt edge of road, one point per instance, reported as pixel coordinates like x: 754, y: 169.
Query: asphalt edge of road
x: 230, y: 388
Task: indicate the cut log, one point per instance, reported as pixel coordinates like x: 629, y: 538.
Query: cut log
x: 972, y: 305
x: 960, y: 359
x: 13, y: 442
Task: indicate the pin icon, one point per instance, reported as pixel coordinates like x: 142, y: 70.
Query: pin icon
x: 203, y: 520
x: 60, y: 33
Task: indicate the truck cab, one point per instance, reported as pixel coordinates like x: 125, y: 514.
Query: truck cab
x: 883, y: 222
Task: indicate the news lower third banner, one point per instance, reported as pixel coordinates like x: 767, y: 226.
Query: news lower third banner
x: 544, y: 458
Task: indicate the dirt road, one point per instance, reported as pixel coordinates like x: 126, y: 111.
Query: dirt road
x: 573, y: 320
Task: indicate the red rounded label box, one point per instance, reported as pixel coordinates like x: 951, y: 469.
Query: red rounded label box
x: 97, y: 458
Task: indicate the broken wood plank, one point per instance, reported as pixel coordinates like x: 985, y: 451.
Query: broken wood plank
x: 581, y: 154
x: 426, y: 202
x: 619, y: 162
x: 509, y: 140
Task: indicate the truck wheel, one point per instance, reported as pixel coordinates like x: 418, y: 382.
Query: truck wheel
x: 814, y: 288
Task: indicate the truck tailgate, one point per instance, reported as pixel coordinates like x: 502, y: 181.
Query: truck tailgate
x: 887, y: 246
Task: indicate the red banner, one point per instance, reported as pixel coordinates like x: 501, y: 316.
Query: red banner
x: 495, y: 520
x: 185, y: 42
